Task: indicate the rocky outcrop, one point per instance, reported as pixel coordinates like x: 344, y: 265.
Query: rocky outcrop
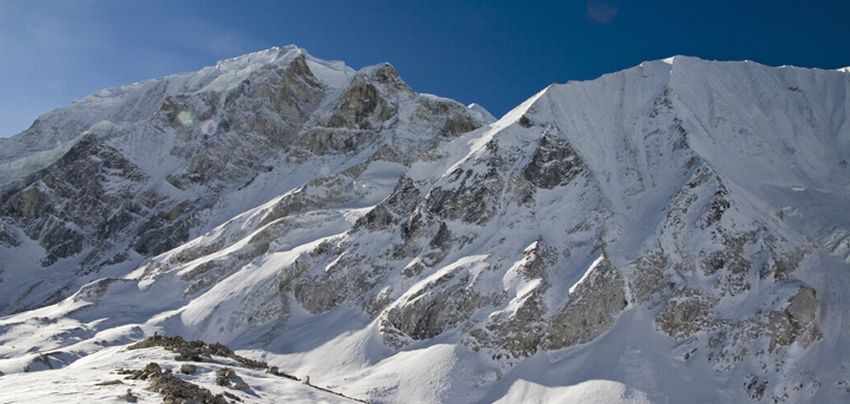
x: 86, y: 199
x: 7, y: 238
x: 554, y: 163
x: 359, y: 107
x: 172, y: 388
x: 521, y: 329
x: 474, y: 199
x: 686, y: 313
x: 430, y: 309
x: 196, y: 351
x: 595, y: 302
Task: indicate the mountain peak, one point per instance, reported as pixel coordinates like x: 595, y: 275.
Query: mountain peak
x: 278, y: 55
x: 269, y: 55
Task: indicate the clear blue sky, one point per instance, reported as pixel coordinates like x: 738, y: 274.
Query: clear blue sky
x: 496, y: 53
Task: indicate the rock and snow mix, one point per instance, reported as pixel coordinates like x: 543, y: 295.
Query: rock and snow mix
x: 674, y: 232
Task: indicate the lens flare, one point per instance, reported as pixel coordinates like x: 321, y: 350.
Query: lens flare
x: 186, y: 118
x: 602, y: 11
x: 208, y: 127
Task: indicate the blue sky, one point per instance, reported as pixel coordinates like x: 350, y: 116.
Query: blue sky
x: 496, y: 53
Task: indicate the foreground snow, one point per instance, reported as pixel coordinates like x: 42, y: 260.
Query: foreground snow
x: 93, y: 379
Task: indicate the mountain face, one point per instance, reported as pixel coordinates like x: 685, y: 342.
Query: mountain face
x: 673, y: 232
x: 135, y: 171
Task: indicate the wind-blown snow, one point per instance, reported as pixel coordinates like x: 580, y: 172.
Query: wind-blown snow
x: 482, y: 113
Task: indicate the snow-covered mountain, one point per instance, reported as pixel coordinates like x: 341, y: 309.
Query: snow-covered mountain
x: 127, y: 173
x: 673, y: 232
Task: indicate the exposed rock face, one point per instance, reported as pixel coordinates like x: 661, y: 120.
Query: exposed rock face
x: 56, y: 207
x: 394, y: 209
x: 434, y: 307
x: 7, y: 239
x: 359, y: 106
x: 165, y: 229
x: 553, y: 164
x: 593, y: 307
x: 520, y: 331
x: 686, y: 313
